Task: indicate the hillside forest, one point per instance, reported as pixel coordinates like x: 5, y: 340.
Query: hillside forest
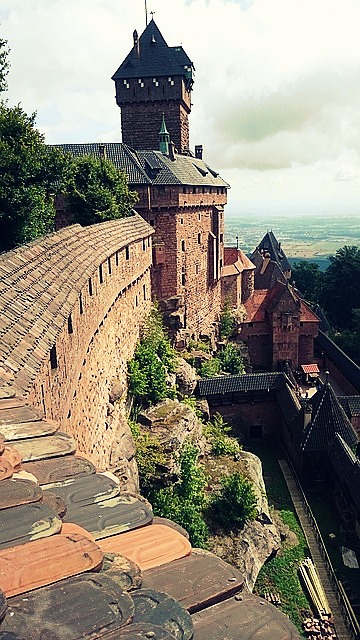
x: 337, y: 291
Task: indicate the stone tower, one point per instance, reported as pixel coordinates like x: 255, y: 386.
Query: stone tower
x: 153, y: 80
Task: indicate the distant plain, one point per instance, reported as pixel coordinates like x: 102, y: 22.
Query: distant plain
x: 304, y: 237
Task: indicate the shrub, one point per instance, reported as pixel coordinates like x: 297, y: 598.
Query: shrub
x: 231, y: 359
x: 184, y: 501
x: 221, y: 443
x: 227, y: 322
x: 210, y: 368
x: 236, y: 503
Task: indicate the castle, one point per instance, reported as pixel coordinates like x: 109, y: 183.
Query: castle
x: 72, y: 307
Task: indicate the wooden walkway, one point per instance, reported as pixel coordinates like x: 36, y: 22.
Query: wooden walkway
x: 296, y: 496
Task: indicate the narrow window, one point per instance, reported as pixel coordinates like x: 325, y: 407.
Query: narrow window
x: 181, y: 220
x: 127, y: 253
x: 182, y: 245
x: 196, y: 269
x: 101, y: 277
x: 221, y: 237
x: 199, y: 216
x: 183, y: 279
x: 199, y: 238
x: 152, y: 222
x: 144, y: 244
x: 117, y: 258
x: 53, y: 358
x: 136, y: 301
x: 109, y: 265
x: 81, y: 306
x: 90, y: 287
x: 144, y: 291
x: 70, y: 325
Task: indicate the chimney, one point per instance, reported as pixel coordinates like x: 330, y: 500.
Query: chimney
x: 102, y: 151
x: 198, y: 151
x: 136, y: 44
x: 172, y: 151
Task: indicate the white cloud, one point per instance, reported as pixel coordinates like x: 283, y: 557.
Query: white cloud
x: 276, y: 95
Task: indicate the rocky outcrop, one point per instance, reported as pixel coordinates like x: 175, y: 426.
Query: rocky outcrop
x: 172, y: 422
x: 185, y: 377
x: 249, y: 549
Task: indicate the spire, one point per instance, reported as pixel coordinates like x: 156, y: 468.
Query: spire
x: 164, y: 137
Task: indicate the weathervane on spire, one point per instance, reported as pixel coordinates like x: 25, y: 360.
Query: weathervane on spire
x: 152, y: 13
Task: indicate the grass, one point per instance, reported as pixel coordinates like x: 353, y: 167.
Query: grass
x: 280, y: 574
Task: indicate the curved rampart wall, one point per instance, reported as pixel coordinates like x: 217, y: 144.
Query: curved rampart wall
x: 73, y: 304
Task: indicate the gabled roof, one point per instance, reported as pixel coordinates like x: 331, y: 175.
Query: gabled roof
x: 328, y: 419
x: 150, y: 167
x: 267, y: 271
x: 264, y: 301
x: 155, y: 58
x: 236, y: 261
x: 270, y: 245
x: 347, y: 468
x: 240, y: 384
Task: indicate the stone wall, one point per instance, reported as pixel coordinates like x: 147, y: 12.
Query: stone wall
x: 71, y: 307
x: 188, y: 257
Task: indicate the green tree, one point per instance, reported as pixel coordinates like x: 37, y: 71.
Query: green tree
x: 153, y: 359
x: 236, y: 503
x: 340, y: 290
x: 4, y: 64
x: 307, y: 277
x: 96, y: 191
x: 29, y: 171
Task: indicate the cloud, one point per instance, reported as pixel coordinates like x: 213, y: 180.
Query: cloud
x: 276, y: 86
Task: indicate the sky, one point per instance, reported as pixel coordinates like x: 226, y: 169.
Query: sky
x: 276, y: 98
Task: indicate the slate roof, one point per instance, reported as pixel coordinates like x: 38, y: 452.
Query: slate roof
x: 350, y: 370
x: 347, y: 468
x: 289, y: 403
x: 328, y: 418
x: 351, y: 405
x: 239, y: 384
x: 156, y: 58
x: 269, y: 244
x: 267, y: 273
x: 40, y: 284
x: 151, y: 167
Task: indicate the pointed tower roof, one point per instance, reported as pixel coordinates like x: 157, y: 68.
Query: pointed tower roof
x: 151, y: 56
x: 328, y: 419
x: 164, y: 137
x: 269, y: 244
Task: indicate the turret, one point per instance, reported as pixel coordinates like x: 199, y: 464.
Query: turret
x: 154, y: 79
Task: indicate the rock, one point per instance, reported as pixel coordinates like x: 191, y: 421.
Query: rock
x: 117, y: 390
x: 249, y: 548
x: 123, y: 446
x: 171, y: 422
x: 185, y: 377
x: 126, y: 472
